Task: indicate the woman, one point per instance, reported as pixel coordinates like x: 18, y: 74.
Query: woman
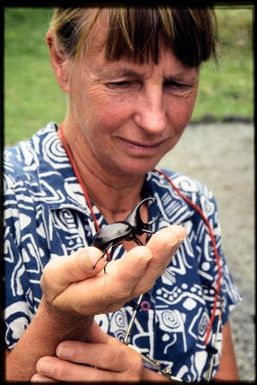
x: 131, y: 76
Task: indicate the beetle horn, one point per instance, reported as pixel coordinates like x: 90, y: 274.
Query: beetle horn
x: 135, y: 220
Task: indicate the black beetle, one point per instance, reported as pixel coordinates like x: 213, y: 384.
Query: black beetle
x: 129, y: 230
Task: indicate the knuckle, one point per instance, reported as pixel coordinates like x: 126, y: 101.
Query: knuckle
x: 61, y: 370
x: 48, y: 277
x: 116, y: 356
x: 119, y: 296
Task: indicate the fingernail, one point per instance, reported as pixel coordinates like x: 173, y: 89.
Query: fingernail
x: 180, y: 232
x: 44, y: 366
x: 172, y: 247
x: 176, y: 247
x: 63, y: 351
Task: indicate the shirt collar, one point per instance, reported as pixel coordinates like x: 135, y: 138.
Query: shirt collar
x: 59, y: 184
x: 173, y: 208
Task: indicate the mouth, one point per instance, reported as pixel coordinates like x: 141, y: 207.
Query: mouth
x: 141, y: 148
x: 143, y: 144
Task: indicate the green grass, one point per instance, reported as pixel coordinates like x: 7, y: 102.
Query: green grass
x: 226, y: 89
x: 32, y: 97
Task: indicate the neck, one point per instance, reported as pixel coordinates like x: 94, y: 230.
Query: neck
x: 114, y: 194
x: 114, y: 200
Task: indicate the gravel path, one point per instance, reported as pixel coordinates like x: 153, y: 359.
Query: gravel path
x: 222, y: 156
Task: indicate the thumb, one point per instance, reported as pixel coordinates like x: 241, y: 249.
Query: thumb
x: 62, y: 272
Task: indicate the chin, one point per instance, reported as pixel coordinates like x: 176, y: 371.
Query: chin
x: 138, y: 168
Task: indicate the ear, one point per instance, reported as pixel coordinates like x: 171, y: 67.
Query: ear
x: 60, y: 61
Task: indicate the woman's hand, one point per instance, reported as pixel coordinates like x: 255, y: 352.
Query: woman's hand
x: 103, y: 358
x: 73, y: 291
x: 73, y: 288
x: 83, y: 361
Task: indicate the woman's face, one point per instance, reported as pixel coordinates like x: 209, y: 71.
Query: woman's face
x: 130, y: 115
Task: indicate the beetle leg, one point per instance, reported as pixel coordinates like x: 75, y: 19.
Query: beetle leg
x: 138, y: 241
x: 108, y: 257
x: 105, y: 267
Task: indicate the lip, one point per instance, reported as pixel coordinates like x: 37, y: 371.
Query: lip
x: 140, y: 148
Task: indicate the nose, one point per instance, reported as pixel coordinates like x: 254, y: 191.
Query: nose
x: 150, y: 112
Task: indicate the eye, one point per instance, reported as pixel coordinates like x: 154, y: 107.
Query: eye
x: 174, y: 85
x: 122, y: 84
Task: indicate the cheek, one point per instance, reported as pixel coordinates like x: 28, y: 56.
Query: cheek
x: 180, y: 113
x: 179, y: 116
x: 102, y: 123
x: 110, y: 114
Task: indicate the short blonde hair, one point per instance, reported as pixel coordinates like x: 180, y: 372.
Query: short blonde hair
x: 137, y: 32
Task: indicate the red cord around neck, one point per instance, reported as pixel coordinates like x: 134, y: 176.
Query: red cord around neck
x: 76, y: 172
x: 214, y: 246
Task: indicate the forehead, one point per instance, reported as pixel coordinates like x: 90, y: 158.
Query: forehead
x: 97, y: 37
x: 119, y: 35
x: 137, y: 32
x: 126, y: 63
x: 169, y: 67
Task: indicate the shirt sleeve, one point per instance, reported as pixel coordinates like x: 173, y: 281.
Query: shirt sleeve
x: 20, y: 293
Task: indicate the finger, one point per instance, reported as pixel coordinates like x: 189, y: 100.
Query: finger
x: 39, y: 378
x: 116, y: 358
x: 126, y: 272
x: 107, y: 292
x: 163, y: 245
x: 62, y: 370
x: 167, y: 239
x: 53, y: 367
x: 61, y: 272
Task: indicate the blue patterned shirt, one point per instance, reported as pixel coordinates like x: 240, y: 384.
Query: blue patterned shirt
x: 46, y: 217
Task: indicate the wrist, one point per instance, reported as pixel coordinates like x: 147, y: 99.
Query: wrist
x: 41, y: 337
x: 61, y: 323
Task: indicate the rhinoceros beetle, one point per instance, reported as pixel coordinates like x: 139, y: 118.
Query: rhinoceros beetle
x: 128, y: 230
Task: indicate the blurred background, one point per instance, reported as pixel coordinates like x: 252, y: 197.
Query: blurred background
x: 32, y: 97
x: 217, y: 148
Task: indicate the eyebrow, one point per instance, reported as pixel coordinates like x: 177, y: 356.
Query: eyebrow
x: 181, y: 76
x: 121, y: 72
